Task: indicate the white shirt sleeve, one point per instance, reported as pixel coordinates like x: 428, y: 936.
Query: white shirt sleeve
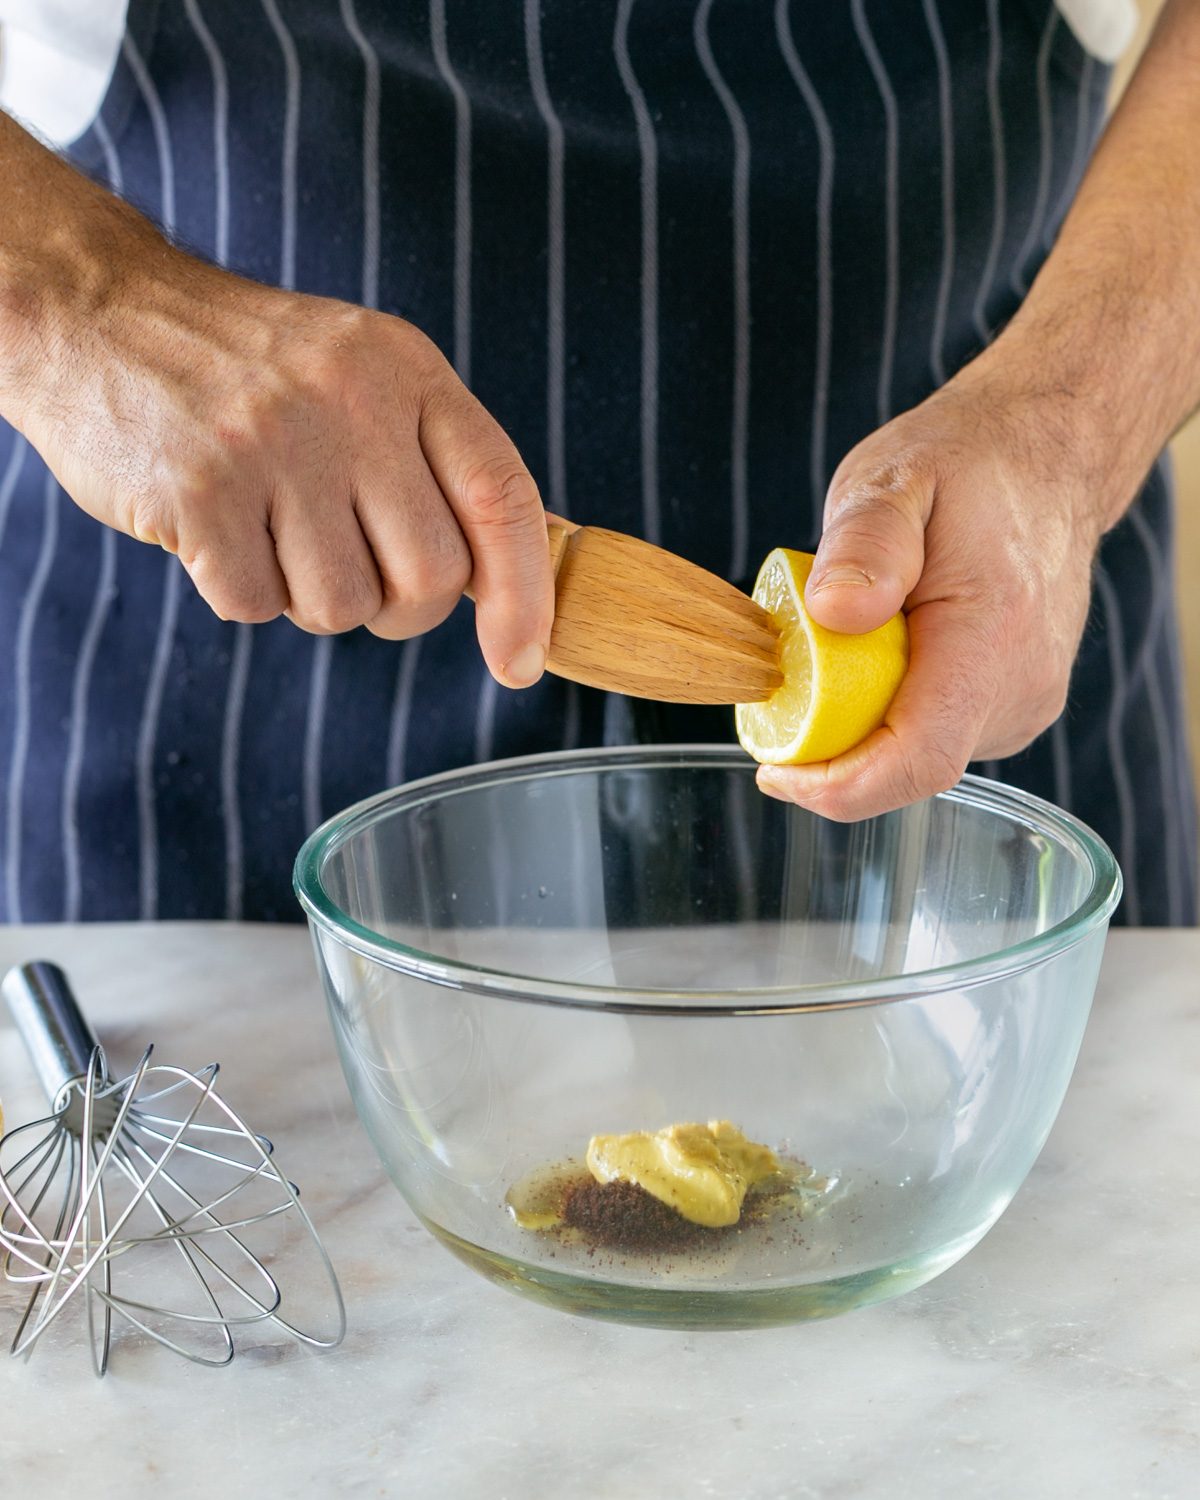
x: 1104, y: 27
x: 56, y: 59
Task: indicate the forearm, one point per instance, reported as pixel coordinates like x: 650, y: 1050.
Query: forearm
x: 1107, y: 343
x: 65, y: 245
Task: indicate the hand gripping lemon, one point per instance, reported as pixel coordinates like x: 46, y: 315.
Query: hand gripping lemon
x: 836, y: 688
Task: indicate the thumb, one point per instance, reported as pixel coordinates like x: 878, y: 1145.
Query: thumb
x: 872, y: 550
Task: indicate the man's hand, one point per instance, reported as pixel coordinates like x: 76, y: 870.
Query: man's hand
x: 981, y: 509
x: 302, y: 456
x: 961, y: 512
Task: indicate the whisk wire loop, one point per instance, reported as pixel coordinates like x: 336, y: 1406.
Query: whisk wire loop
x: 79, y: 1276
x: 98, y: 1189
x: 189, y: 1240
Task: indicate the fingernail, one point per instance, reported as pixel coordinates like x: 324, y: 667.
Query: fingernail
x: 525, y: 666
x: 834, y: 577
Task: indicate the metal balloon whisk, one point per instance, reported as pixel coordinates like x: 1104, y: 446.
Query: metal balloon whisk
x: 145, y: 1199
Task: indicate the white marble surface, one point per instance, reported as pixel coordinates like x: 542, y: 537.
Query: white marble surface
x: 1061, y: 1358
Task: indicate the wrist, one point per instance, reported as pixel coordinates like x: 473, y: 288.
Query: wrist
x: 1068, y: 418
x: 66, y: 261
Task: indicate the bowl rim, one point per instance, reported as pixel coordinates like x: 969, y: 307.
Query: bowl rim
x: 1093, y: 912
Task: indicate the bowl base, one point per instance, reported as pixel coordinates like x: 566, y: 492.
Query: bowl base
x: 696, y: 1310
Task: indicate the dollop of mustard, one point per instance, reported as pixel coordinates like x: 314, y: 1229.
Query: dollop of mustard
x: 701, y: 1171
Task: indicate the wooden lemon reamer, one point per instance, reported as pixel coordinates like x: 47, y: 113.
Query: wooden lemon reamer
x: 630, y: 617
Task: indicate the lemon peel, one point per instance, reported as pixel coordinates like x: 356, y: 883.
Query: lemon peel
x: 837, y: 688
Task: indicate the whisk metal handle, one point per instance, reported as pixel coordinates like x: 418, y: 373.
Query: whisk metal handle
x: 58, y: 1038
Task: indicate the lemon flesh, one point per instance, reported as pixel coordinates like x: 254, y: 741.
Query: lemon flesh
x: 836, y: 688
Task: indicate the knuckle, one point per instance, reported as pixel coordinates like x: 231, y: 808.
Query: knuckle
x: 437, y: 573
x: 249, y: 608
x: 249, y: 598
x: 330, y: 617
x: 497, y: 493
x: 338, y: 371
x: 862, y: 532
x: 345, y: 602
x: 425, y: 559
x: 418, y: 349
x: 257, y: 611
x: 355, y: 339
x: 894, y: 480
x: 151, y: 519
x: 893, y: 474
x: 399, y: 622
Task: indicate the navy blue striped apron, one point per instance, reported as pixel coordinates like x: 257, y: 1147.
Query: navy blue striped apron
x: 688, y: 254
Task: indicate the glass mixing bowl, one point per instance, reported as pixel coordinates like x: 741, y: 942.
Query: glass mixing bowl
x: 520, y: 955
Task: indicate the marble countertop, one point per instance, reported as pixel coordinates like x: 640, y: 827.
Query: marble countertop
x: 1060, y: 1358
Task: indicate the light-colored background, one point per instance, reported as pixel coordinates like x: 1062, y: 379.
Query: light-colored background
x: 1186, y: 450
x: 1059, y: 1361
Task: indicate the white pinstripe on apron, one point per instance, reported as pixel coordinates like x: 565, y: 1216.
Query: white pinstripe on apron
x: 685, y: 251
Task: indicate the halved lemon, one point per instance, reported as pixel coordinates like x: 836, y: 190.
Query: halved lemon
x: 836, y: 688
